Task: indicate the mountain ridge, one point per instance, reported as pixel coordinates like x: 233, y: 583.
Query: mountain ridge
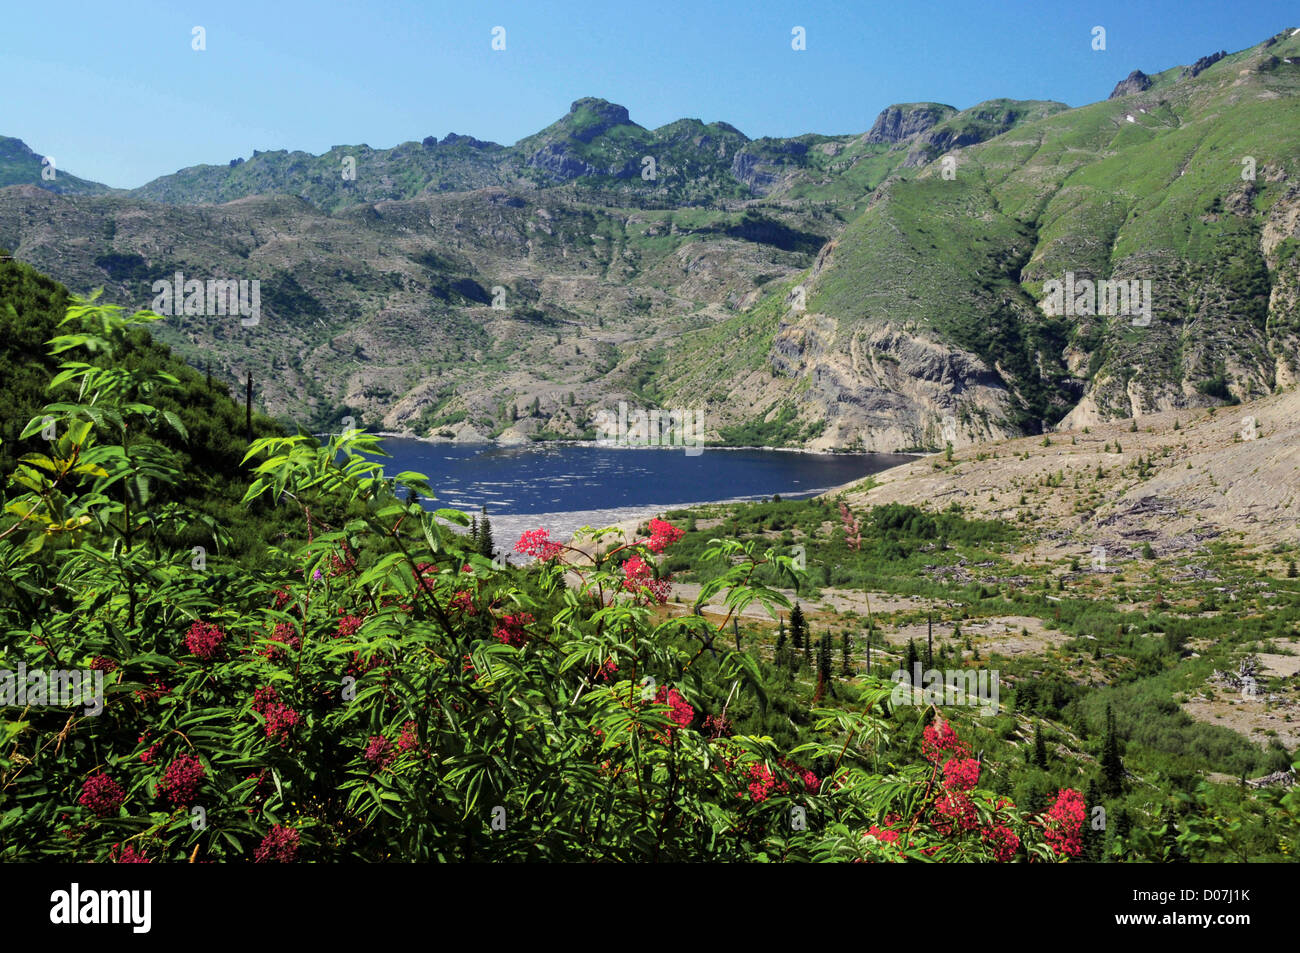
x: 675, y: 280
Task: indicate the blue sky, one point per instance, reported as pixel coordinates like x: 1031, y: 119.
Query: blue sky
x: 115, y: 93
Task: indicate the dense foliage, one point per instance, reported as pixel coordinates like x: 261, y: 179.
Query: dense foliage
x: 377, y: 689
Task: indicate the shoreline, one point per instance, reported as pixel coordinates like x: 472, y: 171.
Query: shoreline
x: 519, y: 444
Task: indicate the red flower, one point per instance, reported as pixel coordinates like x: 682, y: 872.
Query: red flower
x: 127, y: 855
x: 663, y: 535
x: 348, y: 626
x: 409, y: 739
x: 886, y: 835
x: 1063, y: 823
x: 279, y: 846
x: 204, y: 640
x: 182, y: 778
x: 342, y: 564
x: 510, y: 630
x: 101, y: 795
x: 954, y: 812
x: 1002, y: 841
x: 939, y: 739
x: 379, y: 751
x: 961, y: 774
x: 538, y: 543
x: 279, y: 718
x: 463, y: 600
x: 761, y: 784
x: 287, y: 636
x: 102, y: 664
x: 158, y: 691
x: 811, y: 782
x: 639, y: 578
x: 680, y: 711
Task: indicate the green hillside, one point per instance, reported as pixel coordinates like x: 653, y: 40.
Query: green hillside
x: 19, y: 165
x: 1147, y: 186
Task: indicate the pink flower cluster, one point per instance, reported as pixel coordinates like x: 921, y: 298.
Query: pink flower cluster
x: 279, y: 718
x: 127, y: 855
x: 463, y: 601
x: 409, y: 739
x: 348, y: 626
x: 886, y: 834
x: 639, y: 578
x: 940, y: 739
x: 182, y: 778
x: 159, y: 689
x: 1001, y: 840
x: 761, y: 782
x: 961, y: 774
x: 1063, y: 823
x: 379, y: 751
x: 510, y: 629
x: 287, y: 637
x: 204, y: 640
x: 538, y: 543
x: 680, y: 712
x: 279, y: 846
x: 101, y: 795
x: 663, y: 535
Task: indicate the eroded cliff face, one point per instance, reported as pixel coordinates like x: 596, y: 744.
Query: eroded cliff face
x: 885, y: 389
x: 1280, y: 244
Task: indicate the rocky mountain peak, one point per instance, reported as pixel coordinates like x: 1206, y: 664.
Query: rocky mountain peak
x: 1136, y: 82
x: 907, y: 120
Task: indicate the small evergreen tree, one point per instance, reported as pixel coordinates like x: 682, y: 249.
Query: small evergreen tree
x: 485, y: 543
x: 779, y: 654
x: 1112, y: 767
x: 912, y: 658
x: 798, y: 626
x: 1040, y: 746
x: 846, y: 651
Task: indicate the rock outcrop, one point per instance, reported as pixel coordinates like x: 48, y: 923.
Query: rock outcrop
x: 1136, y: 82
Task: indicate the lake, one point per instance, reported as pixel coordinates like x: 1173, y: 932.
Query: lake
x: 564, y: 487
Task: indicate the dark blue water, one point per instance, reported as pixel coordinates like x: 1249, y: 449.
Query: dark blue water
x: 553, y: 479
